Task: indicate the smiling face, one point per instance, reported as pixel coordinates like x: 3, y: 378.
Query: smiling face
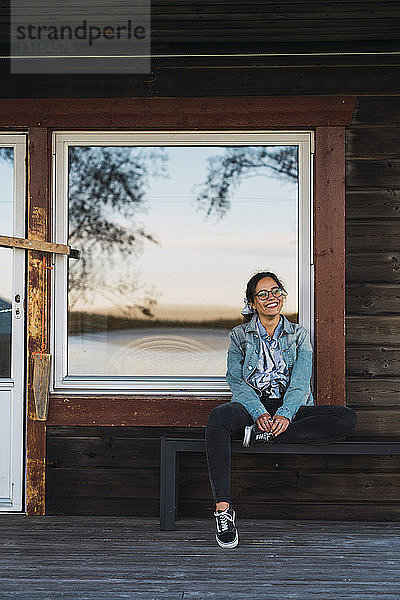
x: 269, y: 306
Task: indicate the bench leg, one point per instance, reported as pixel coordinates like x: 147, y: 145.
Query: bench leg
x: 176, y: 485
x: 167, y: 486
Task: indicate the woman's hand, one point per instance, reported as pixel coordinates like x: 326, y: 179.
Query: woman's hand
x: 264, y: 422
x: 279, y: 424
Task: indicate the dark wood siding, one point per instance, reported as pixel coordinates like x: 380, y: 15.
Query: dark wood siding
x: 255, y: 48
x: 106, y: 470
x: 115, y: 470
x: 373, y: 266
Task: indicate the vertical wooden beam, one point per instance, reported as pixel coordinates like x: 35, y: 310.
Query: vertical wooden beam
x: 329, y: 262
x: 39, y: 163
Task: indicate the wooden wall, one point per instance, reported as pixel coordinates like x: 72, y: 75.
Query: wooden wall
x: 115, y: 471
x: 289, y: 41
x: 373, y: 266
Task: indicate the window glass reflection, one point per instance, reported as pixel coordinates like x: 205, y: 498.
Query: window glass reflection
x: 6, y: 228
x: 168, y: 238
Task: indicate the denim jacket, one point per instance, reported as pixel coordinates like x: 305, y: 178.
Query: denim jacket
x: 243, y: 352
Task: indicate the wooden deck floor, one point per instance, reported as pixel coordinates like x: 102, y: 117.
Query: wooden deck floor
x: 102, y: 558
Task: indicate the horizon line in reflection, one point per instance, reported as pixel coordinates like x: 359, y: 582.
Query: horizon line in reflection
x: 85, y: 322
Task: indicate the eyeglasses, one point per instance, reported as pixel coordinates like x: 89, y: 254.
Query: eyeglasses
x: 276, y: 292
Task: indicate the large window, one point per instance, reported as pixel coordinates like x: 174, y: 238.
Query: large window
x: 169, y: 227
x: 6, y: 257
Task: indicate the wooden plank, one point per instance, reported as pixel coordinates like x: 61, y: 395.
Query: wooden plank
x: 372, y: 142
x: 305, y: 15
x: 254, y: 81
x: 64, y: 504
x: 373, y: 267
x: 35, y: 465
x: 247, y: 55
x: 176, y: 113
x: 180, y: 42
x: 299, y: 26
x: 104, y: 483
x: 190, y: 411
x: 180, y: 82
x: 193, y: 462
x: 372, y: 204
x: 251, y: 31
x: 373, y: 361
x: 101, y: 452
x: 377, y: 110
x: 255, y: 14
x: 329, y: 265
x: 57, y: 86
x: 37, y: 301
x: 286, y: 7
x: 41, y: 384
x: 372, y: 298
x: 14, y: 242
x: 269, y: 511
x: 132, y: 410
x: 341, y: 7
x: 363, y: 173
x: 134, y: 432
x: 379, y: 329
x: 356, y: 8
x: 379, y: 393
x: 367, y: 236
x: 379, y: 425
x: 302, y: 485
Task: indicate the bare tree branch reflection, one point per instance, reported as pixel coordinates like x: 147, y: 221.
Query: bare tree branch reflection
x: 226, y: 172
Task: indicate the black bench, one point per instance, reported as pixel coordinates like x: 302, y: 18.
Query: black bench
x: 170, y: 448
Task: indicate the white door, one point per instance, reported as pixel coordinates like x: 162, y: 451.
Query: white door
x: 12, y: 266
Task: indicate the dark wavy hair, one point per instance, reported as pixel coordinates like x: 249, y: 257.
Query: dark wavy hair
x: 252, y: 284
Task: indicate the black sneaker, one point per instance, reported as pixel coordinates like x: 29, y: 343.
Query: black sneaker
x: 226, y: 535
x: 252, y: 435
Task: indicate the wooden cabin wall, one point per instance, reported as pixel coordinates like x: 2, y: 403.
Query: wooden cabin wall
x: 373, y: 266
x: 252, y: 48
x: 115, y: 470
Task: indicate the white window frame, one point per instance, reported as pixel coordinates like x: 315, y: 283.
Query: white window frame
x: 61, y: 140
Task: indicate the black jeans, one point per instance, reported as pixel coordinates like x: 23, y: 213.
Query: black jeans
x: 311, y: 425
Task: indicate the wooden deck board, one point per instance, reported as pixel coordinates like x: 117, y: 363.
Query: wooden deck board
x: 98, y: 558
